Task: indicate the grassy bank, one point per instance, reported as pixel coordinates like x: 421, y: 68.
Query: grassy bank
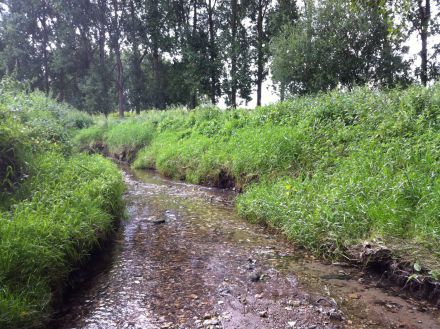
x: 55, y: 205
x: 329, y: 171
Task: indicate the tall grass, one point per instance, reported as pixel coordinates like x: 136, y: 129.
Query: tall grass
x: 72, y: 205
x: 121, y: 136
x: 55, y: 206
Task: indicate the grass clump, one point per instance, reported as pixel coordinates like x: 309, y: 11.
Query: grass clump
x: 90, y: 137
x: 31, y: 123
x: 128, y: 135
x: 122, y: 138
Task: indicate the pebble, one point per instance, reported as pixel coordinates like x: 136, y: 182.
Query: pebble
x: 211, y: 322
x: 294, y: 303
x: 263, y: 314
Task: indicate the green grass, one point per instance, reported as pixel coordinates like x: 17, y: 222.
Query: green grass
x: 71, y: 209
x: 329, y: 170
x: 55, y: 206
x: 128, y: 135
x: 122, y: 137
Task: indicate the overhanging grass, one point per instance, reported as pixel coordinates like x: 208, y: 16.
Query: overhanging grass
x: 128, y: 135
x: 55, y: 206
x: 45, y: 236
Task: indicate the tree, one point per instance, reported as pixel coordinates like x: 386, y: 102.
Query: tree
x: 235, y: 41
x: 115, y: 43
x: 413, y: 16
x: 333, y: 45
x: 259, y: 12
x: 27, y: 32
x: 285, y: 14
x: 136, y: 79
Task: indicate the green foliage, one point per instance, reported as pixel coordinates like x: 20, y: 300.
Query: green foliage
x: 318, y: 54
x: 55, y: 207
x: 128, y: 135
x: 89, y: 137
x: 31, y: 123
x: 46, y: 235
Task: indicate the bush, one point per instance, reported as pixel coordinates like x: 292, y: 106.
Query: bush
x: 31, y: 123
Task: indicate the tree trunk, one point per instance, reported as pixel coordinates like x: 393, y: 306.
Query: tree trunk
x: 282, y: 91
x: 44, y: 46
x: 212, y: 54
x: 120, y: 84
x: 119, y: 66
x: 425, y: 16
x: 260, y: 60
x: 159, y: 101
x: 158, y: 93
x: 234, y: 15
x: 136, y: 62
x: 62, y: 93
x: 103, y: 27
x: 193, y: 97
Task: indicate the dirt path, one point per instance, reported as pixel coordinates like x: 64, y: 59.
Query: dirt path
x: 184, y: 260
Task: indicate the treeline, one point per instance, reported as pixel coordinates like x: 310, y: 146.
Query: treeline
x: 140, y: 54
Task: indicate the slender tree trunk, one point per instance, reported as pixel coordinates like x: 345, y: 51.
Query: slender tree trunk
x: 212, y: 54
x: 103, y: 65
x: 44, y: 46
x: 61, y: 95
x: 282, y: 91
x: 158, y: 93
x: 119, y: 66
x: 102, y: 25
x: 159, y: 101
x: 234, y: 15
x: 136, y: 62
x: 260, y: 60
x: 193, y: 97
x: 425, y: 16
x: 120, y: 84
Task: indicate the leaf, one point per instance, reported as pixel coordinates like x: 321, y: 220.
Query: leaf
x: 412, y: 277
x: 417, y: 267
x: 288, y: 187
x: 435, y: 275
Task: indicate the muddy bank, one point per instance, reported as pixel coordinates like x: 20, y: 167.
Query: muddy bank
x: 184, y: 259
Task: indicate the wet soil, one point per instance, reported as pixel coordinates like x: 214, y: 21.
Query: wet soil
x: 183, y: 259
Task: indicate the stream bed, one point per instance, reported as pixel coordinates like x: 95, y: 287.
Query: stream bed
x: 184, y: 259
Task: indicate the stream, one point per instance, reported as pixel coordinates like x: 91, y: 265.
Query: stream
x: 184, y: 259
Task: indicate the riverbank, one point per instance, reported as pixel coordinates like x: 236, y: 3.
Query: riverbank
x: 56, y: 206
x: 331, y: 171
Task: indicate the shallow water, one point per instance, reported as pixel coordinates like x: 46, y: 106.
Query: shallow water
x: 183, y: 259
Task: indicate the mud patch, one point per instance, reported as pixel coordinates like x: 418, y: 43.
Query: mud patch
x: 395, y: 272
